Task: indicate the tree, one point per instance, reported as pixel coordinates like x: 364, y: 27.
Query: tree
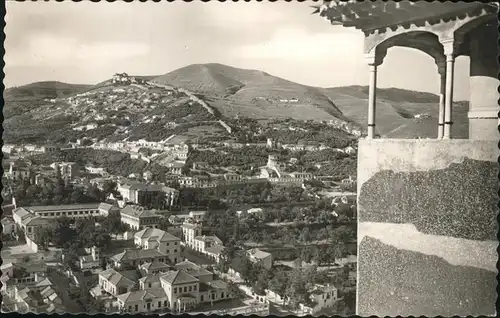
x: 109, y: 187
x: 44, y: 237
x: 296, y: 291
x: 62, y: 233
x: 306, y: 254
x: 305, y: 235
x: 279, y: 284
x: 103, y: 262
x: 339, y: 251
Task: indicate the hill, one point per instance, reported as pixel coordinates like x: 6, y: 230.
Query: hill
x: 189, y: 102
x: 399, y: 113
x: 107, y: 112
x: 252, y: 93
x: 41, y: 90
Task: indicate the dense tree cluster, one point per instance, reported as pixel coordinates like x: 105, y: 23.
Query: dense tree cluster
x: 59, y: 192
x: 229, y: 227
x: 74, y: 235
x: 115, y: 162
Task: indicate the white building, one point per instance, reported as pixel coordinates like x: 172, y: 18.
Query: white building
x: 322, y: 297
x: 258, y: 256
x: 139, y: 218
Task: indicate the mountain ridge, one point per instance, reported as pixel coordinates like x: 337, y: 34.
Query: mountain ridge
x: 236, y: 92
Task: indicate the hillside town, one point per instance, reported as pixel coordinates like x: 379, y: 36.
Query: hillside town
x: 170, y: 227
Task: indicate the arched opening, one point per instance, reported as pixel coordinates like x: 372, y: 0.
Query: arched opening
x: 416, y: 110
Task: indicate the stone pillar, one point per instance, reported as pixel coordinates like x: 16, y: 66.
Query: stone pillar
x: 373, y: 62
x: 442, y: 95
x: 450, y: 67
x: 484, y: 83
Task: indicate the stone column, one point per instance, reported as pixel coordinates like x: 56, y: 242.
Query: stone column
x: 442, y: 96
x: 450, y: 67
x: 373, y: 62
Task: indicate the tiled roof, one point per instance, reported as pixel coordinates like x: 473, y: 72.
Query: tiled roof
x: 125, y: 278
x: 136, y: 254
x: 155, y: 266
x: 36, y: 220
x: 137, y: 211
x: 44, y: 208
x: 44, y: 283
x: 138, y: 295
x: 178, y: 277
x: 216, y: 249
x: 211, y: 238
x: 255, y: 252
x: 21, y: 212
x: 47, y: 291
x: 217, y: 284
x: 150, y: 278
x: 192, y: 269
x: 106, y: 206
x: 160, y: 235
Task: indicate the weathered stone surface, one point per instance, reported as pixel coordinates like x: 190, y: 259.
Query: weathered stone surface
x: 399, y: 282
x: 459, y: 201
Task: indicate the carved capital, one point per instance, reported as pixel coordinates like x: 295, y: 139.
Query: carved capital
x: 441, y: 65
x: 376, y: 57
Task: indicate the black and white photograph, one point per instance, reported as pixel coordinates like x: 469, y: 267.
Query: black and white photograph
x: 269, y: 158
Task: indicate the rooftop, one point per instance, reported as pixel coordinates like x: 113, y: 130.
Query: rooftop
x: 257, y: 253
x: 178, y: 277
x: 150, y: 278
x: 157, y: 234
x: 134, y: 254
x: 154, y: 266
x: 124, y: 278
x: 211, y: 238
x: 192, y: 269
x: 137, y: 211
x: 45, y: 208
x: 139, y: 295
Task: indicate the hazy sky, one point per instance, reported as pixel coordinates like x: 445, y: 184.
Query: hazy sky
x: 89, y: 42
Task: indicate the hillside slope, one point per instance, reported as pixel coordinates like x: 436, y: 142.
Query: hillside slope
x: 40, y: 90
x: 396, y: 110
x: 252, y: 93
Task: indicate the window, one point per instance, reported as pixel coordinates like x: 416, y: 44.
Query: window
x: 185, y: 289
x: 130, y: 308
x: 221, y: 295
x: 149, y: 285
x: 136, y: 307
x: 168, y: 244
x: 165, y: 303
x: 159, y: 304
x: 175, y: 290
x: 175, y: 251
x: 201, y: 297
x: 190, y: 288
x: 194, y: 287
